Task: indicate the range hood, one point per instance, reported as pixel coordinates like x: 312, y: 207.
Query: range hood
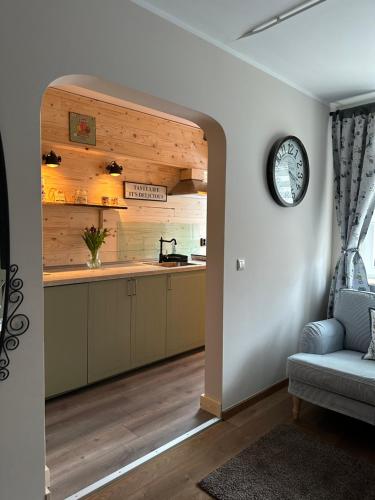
x: 193, y: 182
x: 189, y: 187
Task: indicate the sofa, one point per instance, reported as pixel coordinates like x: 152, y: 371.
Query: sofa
x: 329, y: 370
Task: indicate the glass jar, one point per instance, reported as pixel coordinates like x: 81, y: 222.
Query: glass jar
x: 94, y: 262
x: 59, y: 196
x: 80, y: 196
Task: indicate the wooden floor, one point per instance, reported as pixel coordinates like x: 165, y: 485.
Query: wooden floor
x: 174, y: 474
x: 95, y: 431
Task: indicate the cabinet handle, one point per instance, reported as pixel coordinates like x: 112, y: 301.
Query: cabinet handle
x: 130, y: 287
x: 134, y: 287
x: 169, y: 284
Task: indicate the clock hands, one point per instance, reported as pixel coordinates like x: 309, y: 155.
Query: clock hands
x: 292, y: 175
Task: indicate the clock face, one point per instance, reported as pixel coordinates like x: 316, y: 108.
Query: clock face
x: 288, y: 171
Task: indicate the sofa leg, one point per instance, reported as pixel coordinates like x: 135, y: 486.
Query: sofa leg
x: 296, y: 407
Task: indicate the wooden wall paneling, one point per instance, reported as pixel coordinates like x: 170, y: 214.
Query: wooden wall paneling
x: 126, y: 131
x: 79, y: 171
x: 176, y: 211
x: 141, y: 240
x: 63, y: 226
x: 83, y: 168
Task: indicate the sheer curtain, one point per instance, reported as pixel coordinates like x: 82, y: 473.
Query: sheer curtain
x: 353, y: 144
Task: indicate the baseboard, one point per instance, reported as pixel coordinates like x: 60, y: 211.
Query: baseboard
x: 210, y: 405
x: 253, y: 399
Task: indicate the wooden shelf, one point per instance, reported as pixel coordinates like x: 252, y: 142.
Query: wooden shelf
x: 89, y: 205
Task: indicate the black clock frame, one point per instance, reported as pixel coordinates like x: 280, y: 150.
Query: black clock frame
x: 271, y: 164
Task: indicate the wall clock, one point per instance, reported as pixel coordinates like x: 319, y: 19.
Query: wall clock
x: 288, y: 171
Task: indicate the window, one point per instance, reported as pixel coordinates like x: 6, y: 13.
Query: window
x: 368, y: 251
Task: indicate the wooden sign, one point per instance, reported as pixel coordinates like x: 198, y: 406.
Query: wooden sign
x: 148, y: 192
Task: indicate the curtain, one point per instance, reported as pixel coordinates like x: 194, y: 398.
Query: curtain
x: 353, y: 145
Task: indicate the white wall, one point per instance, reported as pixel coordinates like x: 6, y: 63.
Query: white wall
x: 288, y: 251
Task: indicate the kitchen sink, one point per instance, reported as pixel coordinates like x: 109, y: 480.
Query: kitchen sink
x: 172, y: 264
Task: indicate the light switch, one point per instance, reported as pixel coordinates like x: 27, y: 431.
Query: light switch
x: 240, y: 264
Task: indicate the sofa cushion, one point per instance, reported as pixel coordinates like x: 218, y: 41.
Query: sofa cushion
x: 342, y: 372
x: 352, y: 310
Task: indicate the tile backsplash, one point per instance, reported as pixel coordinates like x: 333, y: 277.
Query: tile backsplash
x: 140, y: 240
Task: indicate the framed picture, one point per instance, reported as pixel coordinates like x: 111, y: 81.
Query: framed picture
x: 82, y: 128
x: 147, y: 192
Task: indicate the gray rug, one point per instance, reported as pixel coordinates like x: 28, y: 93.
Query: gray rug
x: 288, y: 464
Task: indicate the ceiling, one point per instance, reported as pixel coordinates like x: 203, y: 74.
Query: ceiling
x: 80, y: 90
x: 327, y: 51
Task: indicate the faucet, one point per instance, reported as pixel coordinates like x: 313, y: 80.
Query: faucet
x: 173, y: 240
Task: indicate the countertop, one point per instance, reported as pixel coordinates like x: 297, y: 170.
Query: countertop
x: 109, y: 272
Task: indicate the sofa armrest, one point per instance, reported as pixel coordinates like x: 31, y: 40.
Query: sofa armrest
x: 322, y: 337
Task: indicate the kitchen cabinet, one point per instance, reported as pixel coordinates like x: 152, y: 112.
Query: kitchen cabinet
x: 109, y: 324
x: 65, y: 339
x: 99, y: 329
x: 149, y: 319
x: 186, y: 311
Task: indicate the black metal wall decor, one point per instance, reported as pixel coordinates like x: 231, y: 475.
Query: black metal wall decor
x: 12, y: 322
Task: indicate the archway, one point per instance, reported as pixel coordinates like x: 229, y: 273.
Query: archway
x: 94, y: 87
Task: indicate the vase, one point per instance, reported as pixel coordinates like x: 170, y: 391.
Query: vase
x: 94, y: 262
